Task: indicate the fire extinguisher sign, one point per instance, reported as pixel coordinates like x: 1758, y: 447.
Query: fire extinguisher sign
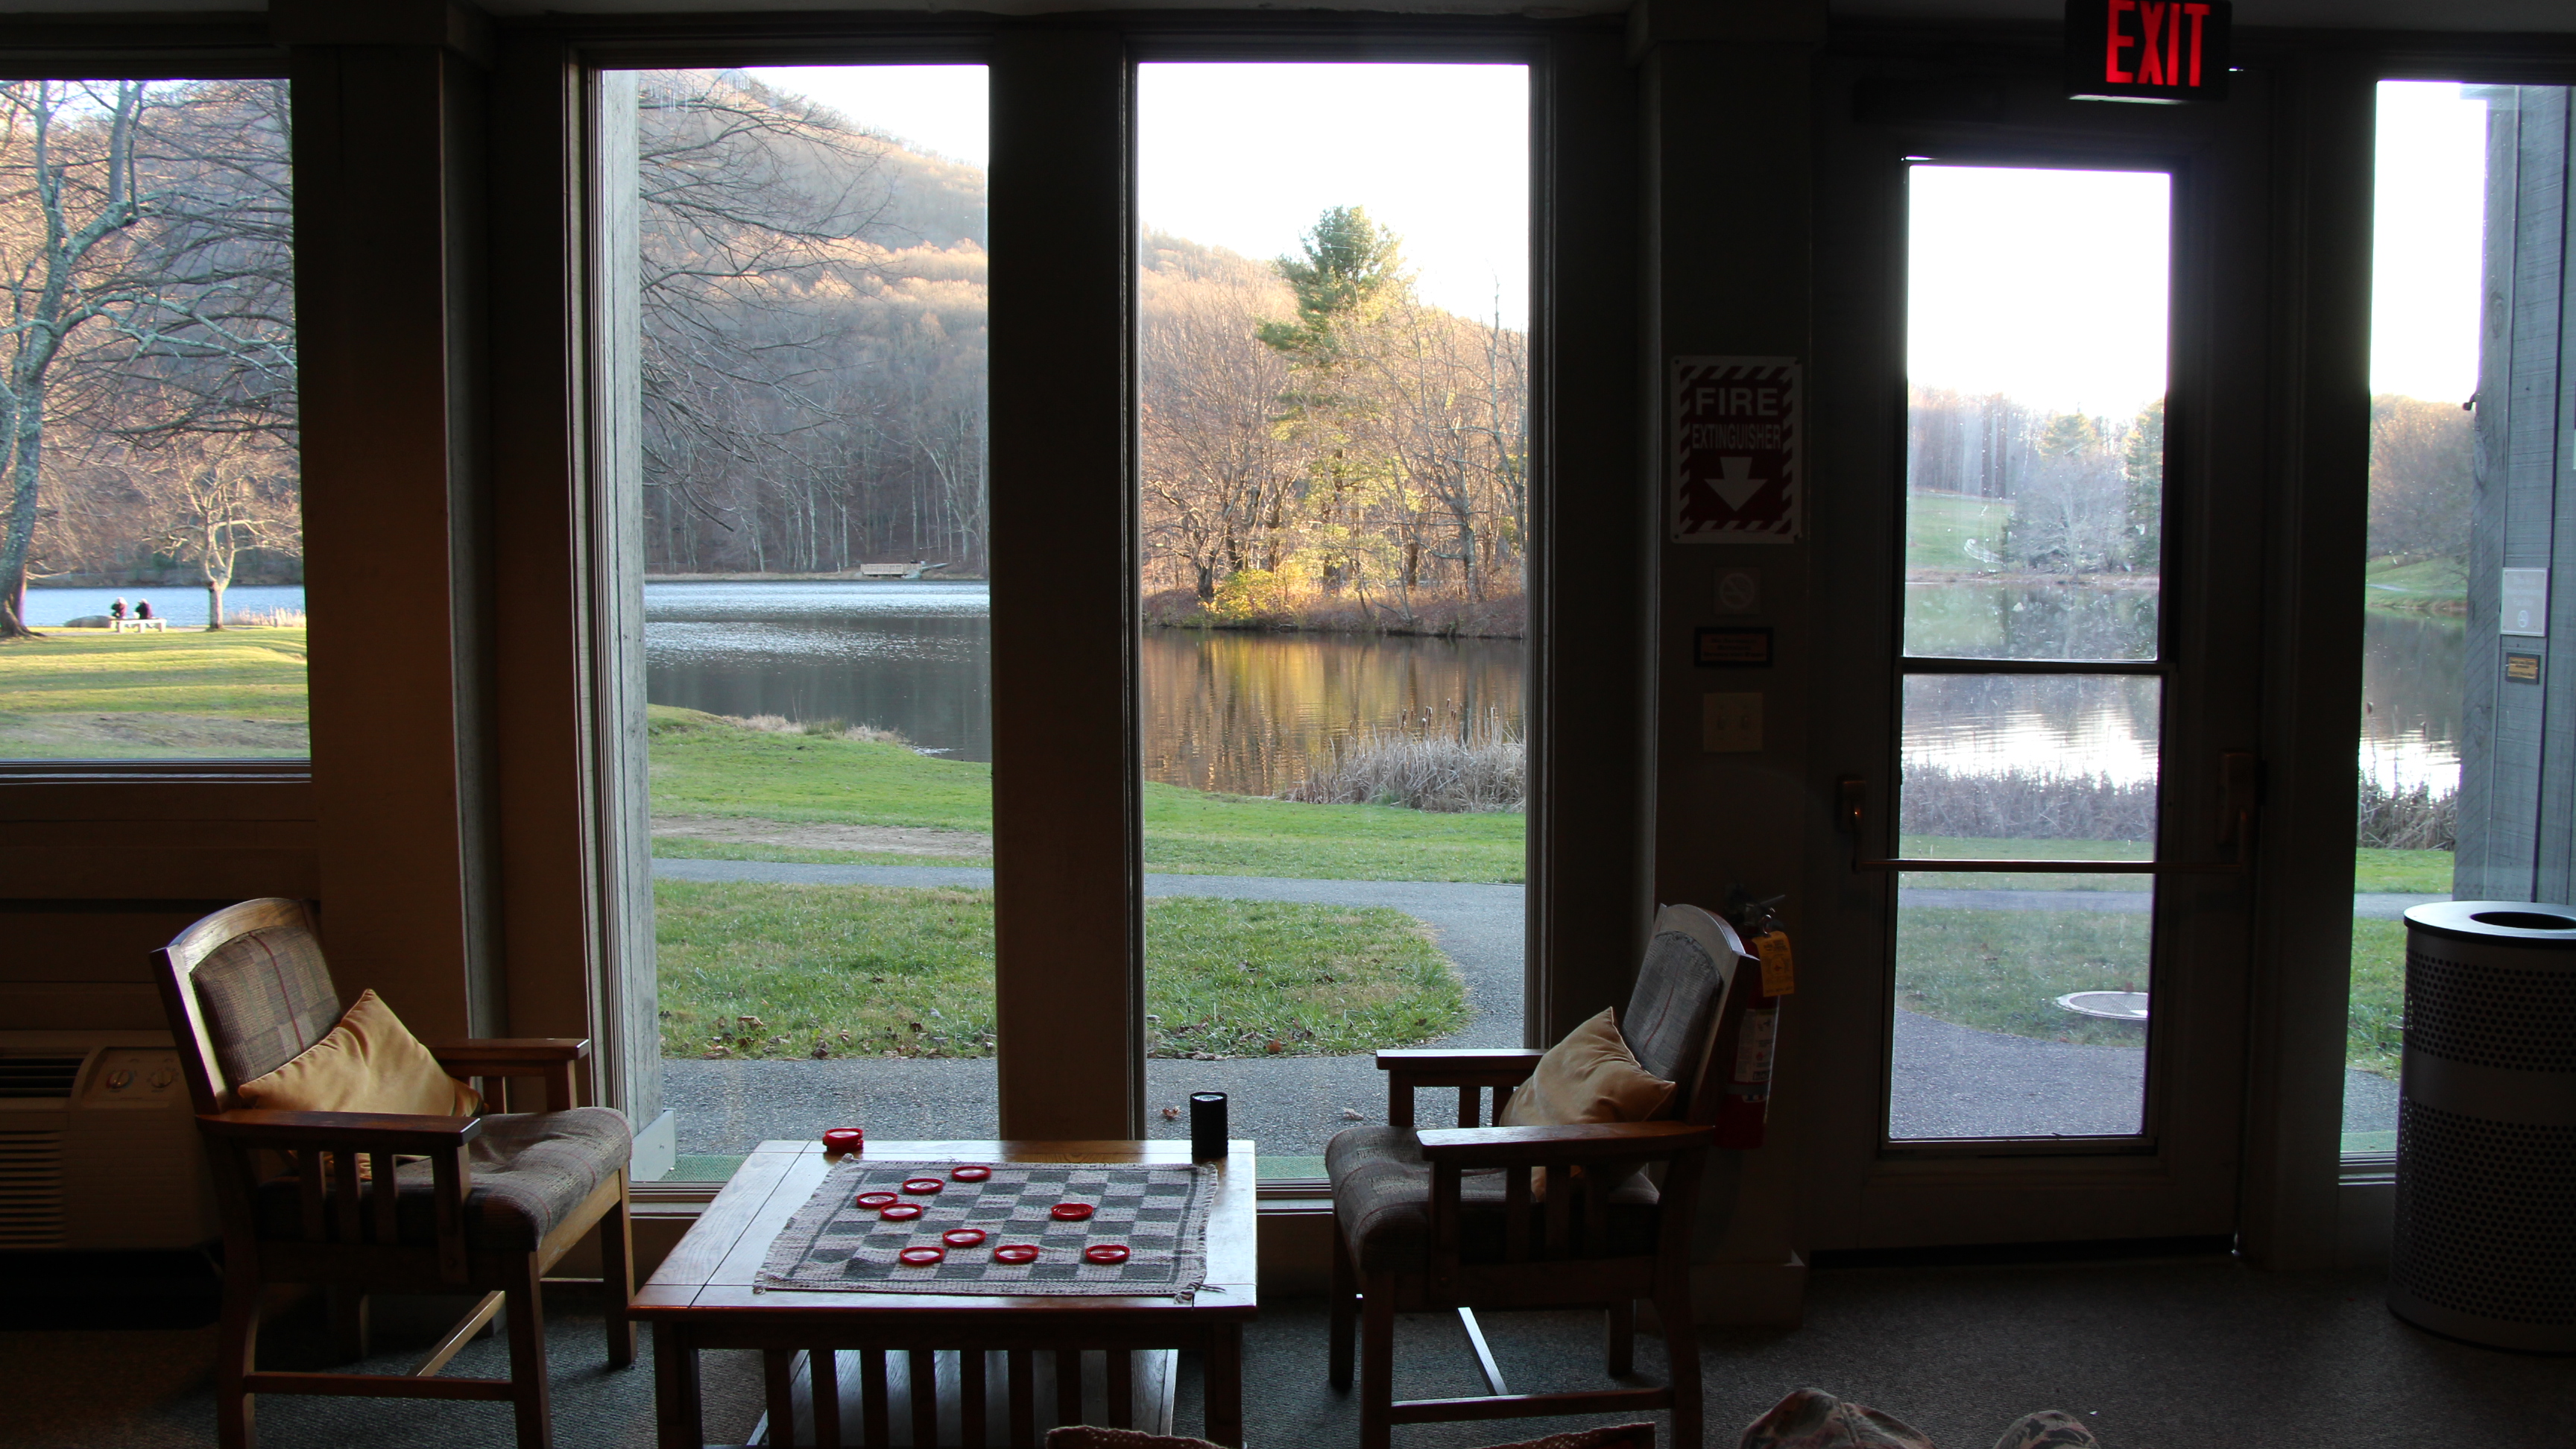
x: 1736, y: 441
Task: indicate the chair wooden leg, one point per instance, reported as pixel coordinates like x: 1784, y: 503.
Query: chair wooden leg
x: 1681, y: 1355
x: 238, y: 1353
x: 1377, y: 1362
x: 528, y: 1357
x: 1346, y: 1290
x: 617, y: 1277
x: 348, y: 1314
x: 1623, y: 1338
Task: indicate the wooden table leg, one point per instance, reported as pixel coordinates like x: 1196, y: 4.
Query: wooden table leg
x: 1068, y: 1386
x: 824, y: 1373
x: 1024, y: 1398
x: 873, y: 1409
x: 970, y: 1398
x: 925, y: 1398
x: 678, y: 1411
x: 778, y: 1371
x: 1224, y: 1388
x: 1122, y: 1388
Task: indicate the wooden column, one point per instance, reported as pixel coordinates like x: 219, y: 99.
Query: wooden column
x: 1067, y: 840
x: 1591, y: 570
x: 388, y: 124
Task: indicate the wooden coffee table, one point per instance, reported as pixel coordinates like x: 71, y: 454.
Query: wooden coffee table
x: 985, y: 1358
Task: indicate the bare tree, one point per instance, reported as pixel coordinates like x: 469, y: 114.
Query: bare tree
x: 229, y: 498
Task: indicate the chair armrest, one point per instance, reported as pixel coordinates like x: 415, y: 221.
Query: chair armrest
x: 1582, y: 1142
x: 1481, y: 1061
x: 547, y: 1058
x: 1469, y: 1069
x: 342, y: 1131
x: 510, y: 1056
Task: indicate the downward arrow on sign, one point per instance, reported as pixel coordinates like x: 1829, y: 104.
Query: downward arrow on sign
x: 1735, y: 482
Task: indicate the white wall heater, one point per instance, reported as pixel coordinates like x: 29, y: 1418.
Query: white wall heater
x: 98, y: 1145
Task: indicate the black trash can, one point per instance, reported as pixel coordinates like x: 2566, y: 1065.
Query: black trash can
x: 2486, y: 1126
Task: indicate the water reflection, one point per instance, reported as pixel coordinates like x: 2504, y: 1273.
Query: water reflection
x: 903, y: 656
x: 1966, y: 619
x: 2082, y: 725
x: 1244, y: 712
x: 2411, y: 698
x: 1237, y: 712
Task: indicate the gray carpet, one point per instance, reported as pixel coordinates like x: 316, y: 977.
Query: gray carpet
x: 2170, y: 1354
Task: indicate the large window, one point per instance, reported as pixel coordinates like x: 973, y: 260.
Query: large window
x: 2465, y: 761
x: 151, y: 552
x: 808, y: 286
x: 1334, y: 361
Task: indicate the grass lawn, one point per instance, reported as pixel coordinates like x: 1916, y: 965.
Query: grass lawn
x: 2402, y: 872
x: 1935, y: 847
x: 2004, y: 970
x: 2374, y: 1030
x: 876, y: 971
x: 2433, y: 585
x: 85, y: 693
x: 703, y: 766
x: 1940, y: 526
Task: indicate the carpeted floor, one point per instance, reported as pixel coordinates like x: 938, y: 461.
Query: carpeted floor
x: 2171, y: 1354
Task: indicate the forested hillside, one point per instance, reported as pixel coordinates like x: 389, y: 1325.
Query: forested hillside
x: 814, y: 354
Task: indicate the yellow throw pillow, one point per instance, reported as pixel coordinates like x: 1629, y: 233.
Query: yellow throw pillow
x: 368, y: 1063
x: 1591, y: 1076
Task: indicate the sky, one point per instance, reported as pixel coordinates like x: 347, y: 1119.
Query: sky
x: 2046, y: 286
x: 1246, y: 157
x: 2427, y: 237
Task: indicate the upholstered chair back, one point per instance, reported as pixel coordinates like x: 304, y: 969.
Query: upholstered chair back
x: 251, y: 983
x: 1672, y: 1016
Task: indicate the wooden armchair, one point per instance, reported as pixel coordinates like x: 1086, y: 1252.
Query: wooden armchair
x: 441, y: 1205
x: 1447, y: 1218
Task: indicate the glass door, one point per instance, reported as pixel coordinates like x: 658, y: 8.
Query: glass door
x: 2051, y: 597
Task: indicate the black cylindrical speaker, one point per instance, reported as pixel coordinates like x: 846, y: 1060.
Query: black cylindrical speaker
x: 2485, y: 1247
x: 1207, y: 1125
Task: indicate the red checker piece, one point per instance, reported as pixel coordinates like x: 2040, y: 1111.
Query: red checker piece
x: 873, y: 1200
x: 844, y: 1139
x: 962, y: 1237
x: 1105, y: 1254
x: 922, y: 1257
x: 1016, y: 1253
x: 1071, y: 1212
x: 922, y: 1186
x: 902, y: 1212
x: 970, y: 1173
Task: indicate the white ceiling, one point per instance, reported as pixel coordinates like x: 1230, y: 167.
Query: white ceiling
x: 2459, y: 15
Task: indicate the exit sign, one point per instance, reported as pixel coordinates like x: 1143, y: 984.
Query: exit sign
x: 2164, y: 51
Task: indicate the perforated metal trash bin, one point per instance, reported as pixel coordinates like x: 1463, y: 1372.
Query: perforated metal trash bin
x: 2486, y: 1126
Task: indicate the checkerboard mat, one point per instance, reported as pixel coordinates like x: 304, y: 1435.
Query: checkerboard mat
x: 1158, y: 1211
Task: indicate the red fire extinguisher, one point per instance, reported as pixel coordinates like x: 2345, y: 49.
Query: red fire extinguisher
x: 1744, y: 1108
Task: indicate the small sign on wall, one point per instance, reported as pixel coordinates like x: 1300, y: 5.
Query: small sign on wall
x: 2524, y: 596
x: 1735, y: 450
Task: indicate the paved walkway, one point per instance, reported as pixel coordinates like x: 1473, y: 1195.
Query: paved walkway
x: 1950, y: 1080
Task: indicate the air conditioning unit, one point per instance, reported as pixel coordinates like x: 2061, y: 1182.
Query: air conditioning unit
x: 98, y: 1145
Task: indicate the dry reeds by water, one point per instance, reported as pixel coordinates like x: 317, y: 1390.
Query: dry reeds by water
x: 2044, y: 806
x: 2397, y: 818
x: 1452, y: 764
x: 778, y: 724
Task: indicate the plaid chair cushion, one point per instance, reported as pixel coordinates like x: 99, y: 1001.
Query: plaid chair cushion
x: 267, y: 996
x: 1382, y: 1199
x: 529, y: 1171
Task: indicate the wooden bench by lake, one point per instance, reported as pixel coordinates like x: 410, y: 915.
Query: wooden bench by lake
x: 137, y: 626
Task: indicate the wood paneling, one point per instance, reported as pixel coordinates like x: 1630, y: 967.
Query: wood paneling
x: 1069, y: 922
x: 394, y: 575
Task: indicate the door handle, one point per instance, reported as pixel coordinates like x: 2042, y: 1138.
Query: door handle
x: 2239, y: 784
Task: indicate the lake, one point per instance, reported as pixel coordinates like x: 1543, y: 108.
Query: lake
x: 1231, y: 711
x: 1241, y: 712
